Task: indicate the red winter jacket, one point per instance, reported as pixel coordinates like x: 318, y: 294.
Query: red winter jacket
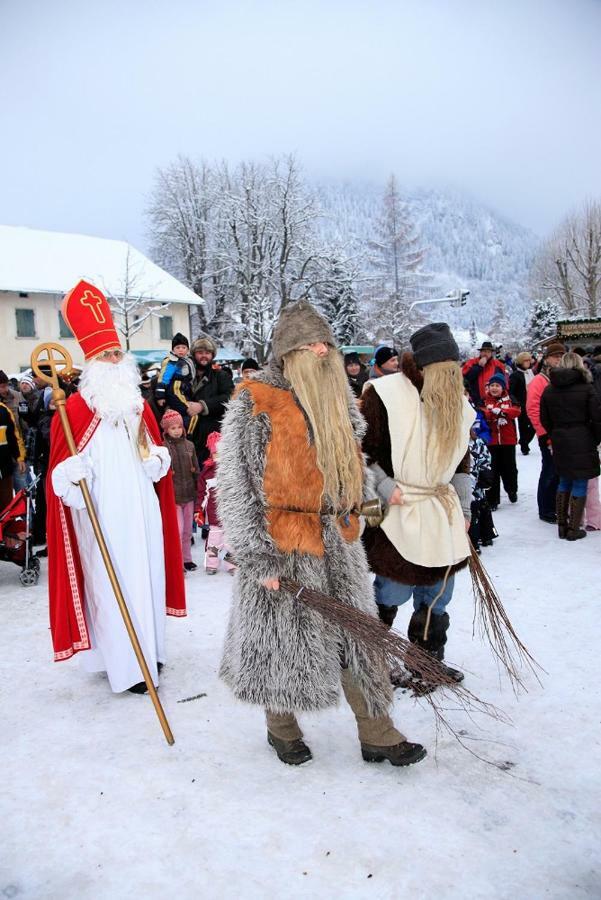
x: 478, y: 376
x: 501, y: 413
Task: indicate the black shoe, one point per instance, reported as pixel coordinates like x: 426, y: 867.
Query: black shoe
x: 293, y: 753
x: 494, y: 507
x: 139, y: 688
x: 189, y: 567
x: 41, y: 554
x: 454, y: 674
x: 525, y: 451
x: 513, y: 498
x: 403, y: 754
x: 552, y: 520
x: 487, y: 543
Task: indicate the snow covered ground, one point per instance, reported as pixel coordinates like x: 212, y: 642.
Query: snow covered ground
x: 96, y: 805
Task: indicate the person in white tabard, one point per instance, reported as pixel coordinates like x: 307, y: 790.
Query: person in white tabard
x: 120, y: 454
x: 418, y: 428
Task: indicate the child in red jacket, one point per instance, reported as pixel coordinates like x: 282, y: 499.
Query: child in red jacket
x: 501, y: 413
x: 216, y: 549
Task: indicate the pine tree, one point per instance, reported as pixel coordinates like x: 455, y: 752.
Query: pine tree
x: 397, y: 253
x: 336, y: 298
x: 543, y: 321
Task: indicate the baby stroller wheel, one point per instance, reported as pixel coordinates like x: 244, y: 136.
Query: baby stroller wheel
x: 29, y: 577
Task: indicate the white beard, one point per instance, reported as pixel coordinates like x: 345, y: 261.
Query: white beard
x: 112, y: 390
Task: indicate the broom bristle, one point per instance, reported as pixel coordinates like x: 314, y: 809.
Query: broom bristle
x: 390, y: 649
x: 495, y: 626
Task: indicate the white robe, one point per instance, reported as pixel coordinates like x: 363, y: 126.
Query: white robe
x: 130, y: 517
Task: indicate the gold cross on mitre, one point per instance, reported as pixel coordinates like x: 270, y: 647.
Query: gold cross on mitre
x: 94, y: 302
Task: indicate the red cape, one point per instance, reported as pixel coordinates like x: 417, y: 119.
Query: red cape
x: 65, y: 574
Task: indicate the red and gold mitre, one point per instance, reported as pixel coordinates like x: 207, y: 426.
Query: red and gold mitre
x: 86, y: 311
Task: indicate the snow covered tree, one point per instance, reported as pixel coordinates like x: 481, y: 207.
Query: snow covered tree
x: 336, y: 297
x: 398, y: 255
x: 568, y: 265
x: 543, y: 321
x: 129, y: 305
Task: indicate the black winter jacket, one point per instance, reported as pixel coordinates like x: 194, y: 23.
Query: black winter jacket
x: 570, y: 413
x: 213, y: 388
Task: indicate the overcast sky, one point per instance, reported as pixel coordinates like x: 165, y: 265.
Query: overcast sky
x: 499, y: 98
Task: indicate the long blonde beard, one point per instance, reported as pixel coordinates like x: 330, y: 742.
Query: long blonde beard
x: 321, y: 387
x: 442, y: 397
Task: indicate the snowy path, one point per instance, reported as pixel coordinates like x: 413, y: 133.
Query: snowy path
x: 96, y: 805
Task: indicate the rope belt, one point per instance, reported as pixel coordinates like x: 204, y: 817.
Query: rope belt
x: 442, y: 492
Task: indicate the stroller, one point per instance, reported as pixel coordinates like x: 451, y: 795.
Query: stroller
x: 15, y: 535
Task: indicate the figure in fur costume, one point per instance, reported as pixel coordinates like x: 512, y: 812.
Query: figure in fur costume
x: 291, y: 481
x: 418, y: 430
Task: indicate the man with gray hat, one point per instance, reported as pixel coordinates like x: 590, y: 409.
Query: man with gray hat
x: 418, y: 429
x: 290, y: 486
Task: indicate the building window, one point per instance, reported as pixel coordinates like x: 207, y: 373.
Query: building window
x: 23, y: 294
x: 25, y: 323
x: 166, y: 328
x: 63, y: 329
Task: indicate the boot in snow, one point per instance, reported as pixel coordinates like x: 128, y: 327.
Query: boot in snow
x: 387, y: 614
x: 403, y: 754
x: 437, y: 638
x: 293, y: 753
x: 575, y: 516
x: 562, y: 500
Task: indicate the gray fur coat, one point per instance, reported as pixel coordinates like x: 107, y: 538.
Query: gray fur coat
x: 278, y: 653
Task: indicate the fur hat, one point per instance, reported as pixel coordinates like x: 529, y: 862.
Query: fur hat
x: 497, y: 378
x: 299, y: 323
x: 555, y: 348
x: 179, y: 340
x: 523, y: 357
x: 204, y: 342
x: 352, y: 359
x: 434, y: 343
x: 170, y: 418
x: 250, y: 364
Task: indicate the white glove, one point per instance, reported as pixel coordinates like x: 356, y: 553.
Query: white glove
x: 496, y: 411
x: 65, y: 478
x: 157, y: 464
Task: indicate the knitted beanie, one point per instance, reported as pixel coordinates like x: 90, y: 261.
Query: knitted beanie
x: 179, y: 339
x: 351, y: 359
x: 299, y: 323
x: 434, y: 343
x: 384, y: 354
x: 3, y: 377
x: 497, y: 378
x: 170, y: 418
x: 204, y: 342
x: 555, y: 348
x: 250, y: 364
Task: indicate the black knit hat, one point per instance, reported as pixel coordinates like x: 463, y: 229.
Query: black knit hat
x: 178, y: 339
x: 384, y: 354
x: 250, y: 363
x: 3, y: 377
x: 434, y: 343
x: 352, y: 359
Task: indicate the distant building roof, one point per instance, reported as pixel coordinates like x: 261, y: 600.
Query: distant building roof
x: 52, y: 262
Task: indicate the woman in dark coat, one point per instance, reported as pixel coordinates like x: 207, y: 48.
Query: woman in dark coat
x: 570, y: 412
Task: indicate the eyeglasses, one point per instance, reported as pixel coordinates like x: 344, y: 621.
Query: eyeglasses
x: 112, y: 354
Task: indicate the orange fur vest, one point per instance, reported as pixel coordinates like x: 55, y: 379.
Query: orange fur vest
x: 293, y: 484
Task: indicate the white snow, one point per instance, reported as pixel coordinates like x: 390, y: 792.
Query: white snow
x: 53, y: 262
x: 96, y: 805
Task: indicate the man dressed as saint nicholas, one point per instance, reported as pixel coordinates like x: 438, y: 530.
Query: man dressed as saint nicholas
x: 120, y: 454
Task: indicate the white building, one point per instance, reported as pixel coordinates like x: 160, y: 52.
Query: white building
x: 38, y: 267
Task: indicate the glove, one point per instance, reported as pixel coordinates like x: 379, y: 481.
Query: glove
x: 65, y: 478
x: 157, y: 464
x: 496, y: 411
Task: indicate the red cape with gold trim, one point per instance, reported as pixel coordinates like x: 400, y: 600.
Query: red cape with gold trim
x: 65, y: 574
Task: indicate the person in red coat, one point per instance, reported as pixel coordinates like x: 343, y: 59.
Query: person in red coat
x: 501, y: 413
x: 478, y: 371
x: 120, y: 454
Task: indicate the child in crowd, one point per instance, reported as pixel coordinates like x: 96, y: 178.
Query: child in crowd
x: 206, y: 503
x: 185, y: 472
x: 180, y: 363
x: 501, y: 413
x: 482, y: 528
